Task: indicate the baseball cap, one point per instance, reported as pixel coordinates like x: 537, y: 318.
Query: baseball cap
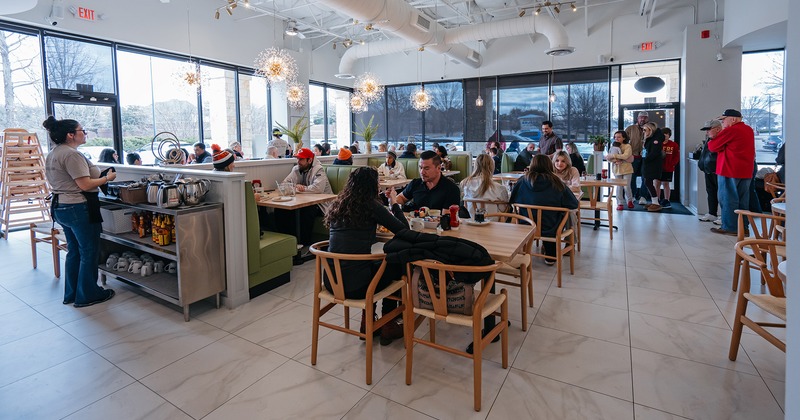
x: 304, y: 153
x: 711, y: 124
x: 730, y: 113
x: 277, y: 132
x: 643, y: 114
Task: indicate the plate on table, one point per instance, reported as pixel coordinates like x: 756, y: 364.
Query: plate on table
x: 282, y: 199
x: 474, y: 223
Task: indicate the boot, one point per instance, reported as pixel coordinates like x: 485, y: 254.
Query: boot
x: 363, y: 328
x: 391, y: 330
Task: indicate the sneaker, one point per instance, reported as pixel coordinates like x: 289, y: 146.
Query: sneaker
x: 549, y: 262
x: 620, y: 207
x: 717, y: 221
x: 391, y: 331
x: 109, y: 293
x: 630, y: 204
x: 666, y: 204
x: 642, y: 201
x: 708, y: 217
x: 654, y: 207
x: 723, y: 231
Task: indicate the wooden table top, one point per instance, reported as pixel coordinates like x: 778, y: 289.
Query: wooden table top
x: 394, y: 183
x: 300, y: 200
x: 610, y: 182
x: 503, y: 241
x: 450, y: 173
x: 508, y: 176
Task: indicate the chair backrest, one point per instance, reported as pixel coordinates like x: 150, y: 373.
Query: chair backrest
x: 776, y: 189
x: 330, y: 264
x: 762, y: 225
x: 507, y: 162
x: 439, y: 298
x: 472, y: 204
x: 761, y: 253
x: 535, y: 213
x: 517, y: 219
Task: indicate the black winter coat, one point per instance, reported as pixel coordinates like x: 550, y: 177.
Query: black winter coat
x: 653, y: 156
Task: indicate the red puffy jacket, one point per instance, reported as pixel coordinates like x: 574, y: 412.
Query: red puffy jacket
x: 736, y: 151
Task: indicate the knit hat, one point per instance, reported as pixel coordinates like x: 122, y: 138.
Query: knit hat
x: 392, y: 154
x: 222, y: 158
x: 344, y: 154
x: 304, y: 153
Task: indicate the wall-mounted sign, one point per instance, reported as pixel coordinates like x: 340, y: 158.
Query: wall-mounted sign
x: 86, y: 14
x: 647, y: 46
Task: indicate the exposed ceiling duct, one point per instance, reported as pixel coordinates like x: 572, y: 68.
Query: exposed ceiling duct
x: 417, y: 29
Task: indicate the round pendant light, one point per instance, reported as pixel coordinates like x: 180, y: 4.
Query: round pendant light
x: 649, y: 84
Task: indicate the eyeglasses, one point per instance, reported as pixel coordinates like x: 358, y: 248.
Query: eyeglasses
x: 76, y: 131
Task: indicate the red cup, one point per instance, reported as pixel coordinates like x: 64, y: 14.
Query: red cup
x: 605, y: 174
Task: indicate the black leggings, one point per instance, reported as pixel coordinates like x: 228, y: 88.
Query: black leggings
x: 651, y: 188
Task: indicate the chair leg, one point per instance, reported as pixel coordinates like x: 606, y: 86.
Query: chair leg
x: 559, y: 256
x: 477, y: 358
x: 369, y: 332
x: 737, y: 266
x: 315, y: 331
x: 504, y: 334
x: 610, y: 221
x: 572, y: 259
x: 408, y: 335
x: 736, y: 335
x: 56, y: 255
x: 33, y: 246
x: 523, y: 295
x: 347, y: 317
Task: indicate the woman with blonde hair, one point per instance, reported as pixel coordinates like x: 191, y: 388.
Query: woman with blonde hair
x: 565, y: 171
x: 479, y: 185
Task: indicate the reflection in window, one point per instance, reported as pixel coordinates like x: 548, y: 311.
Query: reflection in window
x: 96, y: 120
x: 376, y: 112
x: 19, y: 60
x: 71, y: 62
x: 339, y: 131
x: 444, y: 121
x: 253, y: 115
x: 762, y: 101
x: 152, y: 100
x: 523, y: 107
x: 406, y: 122
x: 669, y: 71
x: 481, y: 121
x: 219, y: 106
x: 581, y: 108
x: 316, y: 109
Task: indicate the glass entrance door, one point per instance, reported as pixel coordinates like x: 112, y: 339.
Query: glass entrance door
x: 97, y: 120
x: 664, y: 115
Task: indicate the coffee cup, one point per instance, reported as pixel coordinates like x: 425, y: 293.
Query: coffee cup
x: 158, y: 266
x: 146, y: 270
x: 111, y: 261
x: 135, y: 267
x: 146, y: 257
x: 121, y: 265
x: 171, y: 268
x: 417, y: 224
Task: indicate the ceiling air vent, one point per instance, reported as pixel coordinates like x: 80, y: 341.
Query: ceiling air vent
x: 422, y: 23
x: 474, y: 56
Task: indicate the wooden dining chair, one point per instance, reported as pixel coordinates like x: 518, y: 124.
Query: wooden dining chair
x: 485, y: 305
x: 595, y: 206
x: 776, y: 189
x: 781, y: 229
x: 53, y: 235
x: 760, y: 253
x: 520, y: 267
x: 472, y: 204
x: 564, y: 239
x: 330, y: 264
x: 761, y: 226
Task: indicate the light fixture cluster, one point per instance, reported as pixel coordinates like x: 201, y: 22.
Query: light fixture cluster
x: 189, y: 74
x: 554, y: 5
x: 357, y: 104
x: 369, y: 87
x: 229, y: 6
x: 421, y: 100
x: 276, y: 65
x: 296, y: 94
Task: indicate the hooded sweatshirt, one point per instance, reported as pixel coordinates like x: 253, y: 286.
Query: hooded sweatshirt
x: 543, y: 193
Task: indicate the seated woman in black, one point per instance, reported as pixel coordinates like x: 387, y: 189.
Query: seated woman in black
x: 542, y: 187
x: 353, y: 219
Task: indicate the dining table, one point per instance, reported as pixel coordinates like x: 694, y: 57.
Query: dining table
x: 779, y: 208
x: 595, y: 187
x: 297, y: 201
x: 449, y: 173
x: 393, y: 183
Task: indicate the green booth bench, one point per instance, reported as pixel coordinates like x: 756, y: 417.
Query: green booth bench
x: 460, y: 163
x: 269, y: 256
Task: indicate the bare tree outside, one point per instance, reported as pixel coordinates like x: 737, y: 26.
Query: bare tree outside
x: 23, y: 99
x: 72, y: 62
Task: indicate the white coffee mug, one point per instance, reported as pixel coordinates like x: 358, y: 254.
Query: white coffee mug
x: 121, y: 265
x: 135, y: 267
x: 158, y: 266
x: 171, y: 268
x: 146, y: 270
x: 111, y: 261
x: 417, y: 224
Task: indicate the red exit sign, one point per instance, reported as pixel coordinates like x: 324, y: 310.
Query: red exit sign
x: 86, y: 14
x: 647, y: 46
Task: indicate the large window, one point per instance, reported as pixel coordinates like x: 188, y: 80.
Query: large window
x: 153, y: 100
x: 22, y: 100
x: 762, y: 101
x: 253, y: 115
x: 406, y: 122
x: 219, y: 106
x: 316, y: 110
x: 581, y: 106
x: 339, y: 130
x: 444, y: 121
x: 522, y: 108
x: 71, y: 63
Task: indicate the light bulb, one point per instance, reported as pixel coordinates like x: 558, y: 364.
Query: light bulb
x: 552, y: 96
x: 479, y: 101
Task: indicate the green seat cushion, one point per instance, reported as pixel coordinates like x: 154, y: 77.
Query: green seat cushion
x: 338, y: 175
x: 273, y: 246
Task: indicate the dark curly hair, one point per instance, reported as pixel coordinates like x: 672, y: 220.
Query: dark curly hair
x: 352, y: 207
x: 58, y: 129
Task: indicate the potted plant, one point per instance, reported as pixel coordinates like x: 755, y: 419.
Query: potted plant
x: 599, y: 141
x: 367, y: 132
x: 296, y: 132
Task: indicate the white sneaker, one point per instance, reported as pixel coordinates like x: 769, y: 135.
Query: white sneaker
x: 642, y: 201
x: 708, y: 217
x: 718, y: 221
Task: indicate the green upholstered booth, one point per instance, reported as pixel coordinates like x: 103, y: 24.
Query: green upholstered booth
x: 269, y: 256
x: 507, y: 162
x: 337, y: 177
x: 461, y: 163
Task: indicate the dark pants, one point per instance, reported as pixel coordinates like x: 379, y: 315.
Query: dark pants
x: 286, y: 221
x: 637, y: 172
x: 755, y: 205
x: 649, y: 184
x: 711, y: 192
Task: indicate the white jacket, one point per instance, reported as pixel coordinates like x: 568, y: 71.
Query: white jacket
x: 398, y: 172
x: 495, y: 192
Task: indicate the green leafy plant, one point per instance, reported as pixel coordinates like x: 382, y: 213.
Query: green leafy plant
x: 297, y: 131
x: 598, y: 139
x: 367, y: 131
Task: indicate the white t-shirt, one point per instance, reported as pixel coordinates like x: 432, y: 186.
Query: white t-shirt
x: 495, y: 192
x: 65, y: 164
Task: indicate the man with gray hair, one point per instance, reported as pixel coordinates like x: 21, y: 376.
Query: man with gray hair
x: 272, y: 152
x: 735, y: 147
x: 635, y: 134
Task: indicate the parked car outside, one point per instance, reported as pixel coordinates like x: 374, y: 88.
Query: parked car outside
x: 772, y: 143
x: 534, y: 135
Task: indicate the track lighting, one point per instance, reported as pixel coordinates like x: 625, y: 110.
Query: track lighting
x: 522, y: 13
x: 421, y: 48
x: 334, y: 45
x: 574, y: 9
x: 538, y: 10
x: 555, y: 9
x: 216, y: 14
x: 228, y: 9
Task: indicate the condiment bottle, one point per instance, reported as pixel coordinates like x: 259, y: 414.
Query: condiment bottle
x: 454, y: 216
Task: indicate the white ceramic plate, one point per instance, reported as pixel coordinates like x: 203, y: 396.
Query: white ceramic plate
x: 474, y: 223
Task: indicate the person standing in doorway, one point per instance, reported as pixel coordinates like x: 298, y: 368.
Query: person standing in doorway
x: 635, y: 134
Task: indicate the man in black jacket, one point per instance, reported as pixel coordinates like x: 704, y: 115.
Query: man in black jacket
x: 708, y: 164
x: 524, y: 157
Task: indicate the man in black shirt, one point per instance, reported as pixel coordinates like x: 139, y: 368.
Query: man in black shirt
x: 431, y: 190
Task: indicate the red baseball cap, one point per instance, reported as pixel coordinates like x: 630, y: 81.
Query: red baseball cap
x: 304, y: 153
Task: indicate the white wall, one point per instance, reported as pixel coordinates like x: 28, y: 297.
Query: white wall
x: 755, y: 24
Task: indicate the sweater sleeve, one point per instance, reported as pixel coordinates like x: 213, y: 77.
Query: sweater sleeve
x: 394, y: 222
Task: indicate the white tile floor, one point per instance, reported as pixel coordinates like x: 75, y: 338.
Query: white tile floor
x: 640, y: 331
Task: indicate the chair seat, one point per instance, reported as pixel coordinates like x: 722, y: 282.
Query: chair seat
x: 394, y: 286
x: 600, y: 205
x: 565, y: 234
x: 774, y: 305
x: 512, y: 267
x: 493, y: 303
x: 44, y: 227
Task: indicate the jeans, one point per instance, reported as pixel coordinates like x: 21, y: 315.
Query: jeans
x: 83, y: 249
x: 637, y: 172
x: 625, y: 191
x: 711, y: 192
x: 734, y: 193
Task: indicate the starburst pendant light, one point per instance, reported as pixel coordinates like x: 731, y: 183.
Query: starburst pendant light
x: 357, y: 104
x: 189, y: 74
x: 276, y: 65
x: 296, y: 94
x: 421, y: 100
x: 369, y: 87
